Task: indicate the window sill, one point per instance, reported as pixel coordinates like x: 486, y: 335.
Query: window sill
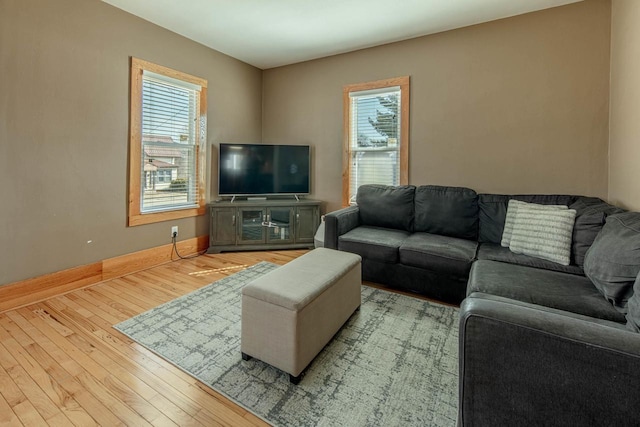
x: 150, y: 218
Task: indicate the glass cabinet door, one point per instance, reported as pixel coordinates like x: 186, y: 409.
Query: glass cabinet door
x: 251, y: 229
x: 280, y: 222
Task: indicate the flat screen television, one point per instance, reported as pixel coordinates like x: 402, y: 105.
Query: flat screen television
x: 262, y: 169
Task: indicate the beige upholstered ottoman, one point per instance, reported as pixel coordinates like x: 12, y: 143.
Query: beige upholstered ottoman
x: 292, y: 312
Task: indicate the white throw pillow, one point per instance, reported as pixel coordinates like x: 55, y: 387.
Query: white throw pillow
x: 544, y: 233
x: 512, y: 210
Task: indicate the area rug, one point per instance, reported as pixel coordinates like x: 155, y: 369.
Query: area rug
x: 394, y: 362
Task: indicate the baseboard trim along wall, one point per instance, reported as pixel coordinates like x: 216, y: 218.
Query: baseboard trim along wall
x: 39, y: 288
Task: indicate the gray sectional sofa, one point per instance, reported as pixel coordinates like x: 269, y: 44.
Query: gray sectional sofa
x: 541, y: 343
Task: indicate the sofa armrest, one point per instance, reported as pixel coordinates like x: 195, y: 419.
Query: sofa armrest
x: 339, y: 222
x: 522, y: 364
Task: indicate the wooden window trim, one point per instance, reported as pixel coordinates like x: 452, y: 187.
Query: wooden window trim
x: 135, y: 216
x: 403, y: 83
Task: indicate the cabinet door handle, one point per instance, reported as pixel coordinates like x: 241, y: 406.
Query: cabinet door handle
x: 233, y: 220
x: 264, y: 217
x: 268, y: 217
x: 297, y: 218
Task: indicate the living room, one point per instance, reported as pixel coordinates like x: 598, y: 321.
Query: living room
x: 535, y: 103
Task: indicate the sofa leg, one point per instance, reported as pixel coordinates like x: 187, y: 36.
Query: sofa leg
x: 245, y: 356
x: 295, y: 380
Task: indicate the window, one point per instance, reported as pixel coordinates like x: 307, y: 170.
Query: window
x: 164, y: 175
x: 167, y: 135
x: 376, y: 135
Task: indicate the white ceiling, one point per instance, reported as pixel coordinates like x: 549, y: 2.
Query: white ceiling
x: 271, y: 33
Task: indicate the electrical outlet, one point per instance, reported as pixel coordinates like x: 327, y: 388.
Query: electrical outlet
x: 174, y: 231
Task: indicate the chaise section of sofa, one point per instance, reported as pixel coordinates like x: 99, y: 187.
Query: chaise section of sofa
x: 527, y: 364
x: 567, y: 292
x: 545, y: 347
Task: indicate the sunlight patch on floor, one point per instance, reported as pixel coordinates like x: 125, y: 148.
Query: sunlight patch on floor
x: 218, y: 270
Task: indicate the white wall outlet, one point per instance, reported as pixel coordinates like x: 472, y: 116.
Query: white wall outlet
x: 174, y: 231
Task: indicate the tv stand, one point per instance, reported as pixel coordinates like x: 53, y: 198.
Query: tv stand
x: 255, y: 199
x: 275, y: 224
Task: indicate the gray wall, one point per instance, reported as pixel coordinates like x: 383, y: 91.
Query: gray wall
x: 64, y: 97
x: 624, y: 170
x: 516, y: 105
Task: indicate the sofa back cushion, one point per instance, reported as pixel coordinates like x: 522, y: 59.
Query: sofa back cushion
x: 447, y: 211
x: 386, y: 206
x: 613, y: 261
x: 591, y: 215
x: 633, y: 308
x: 493, y: 211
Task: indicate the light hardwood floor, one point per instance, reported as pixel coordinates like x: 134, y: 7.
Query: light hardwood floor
x: 61, y: 362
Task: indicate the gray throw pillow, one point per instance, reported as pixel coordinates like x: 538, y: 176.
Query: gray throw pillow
x: 590, y: 218
x: 633, y: 312
x: 386, y: 206
x: 613, y: 260
x: 544, y: 233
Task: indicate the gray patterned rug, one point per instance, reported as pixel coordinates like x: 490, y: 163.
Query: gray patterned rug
x: 394, y: 363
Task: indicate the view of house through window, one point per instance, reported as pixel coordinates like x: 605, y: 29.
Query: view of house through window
x: 376, y: 140
x: 167, y: 127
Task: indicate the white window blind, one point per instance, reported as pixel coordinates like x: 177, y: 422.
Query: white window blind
x: 169, y: 144
x: 374, y: 140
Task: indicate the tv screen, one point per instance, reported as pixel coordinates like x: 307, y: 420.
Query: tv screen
x: 261, y: 169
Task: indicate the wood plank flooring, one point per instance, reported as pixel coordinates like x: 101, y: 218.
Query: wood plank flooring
x: 62, y: 364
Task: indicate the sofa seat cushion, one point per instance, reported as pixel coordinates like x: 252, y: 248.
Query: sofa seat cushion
x: 375, y: 243
x: 438, y: 253
x: 495, y: 252
x: 562, y: 291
